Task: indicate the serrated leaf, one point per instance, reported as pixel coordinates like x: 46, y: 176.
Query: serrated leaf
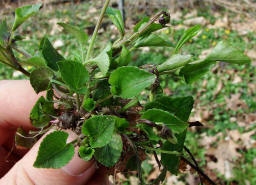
x: 39, y: 114
x: 159, y: 116
x: 129, y: 81
x: 116, y: 17
x: 103, y: 59
x: 88, y: 104
x: 125, y: 57
x: 152, y: 40
x: 188, y: 34
x: 99, y: 129
x: 50, y: 54
x: 79, y: 34
x: 86, y: 153
x: 174, y: 62
x: 35, y: 61
x: 40, y: 79
x: 73, y: 74
x: 110, y: 154
x: 171, y: 161
x: 23, y: 13
x: 179, y: 106
x: 54, y: 152
x: 222, y: 52
x: 4, y: 32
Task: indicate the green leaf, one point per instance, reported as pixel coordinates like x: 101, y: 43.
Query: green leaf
x: 54, y: 152
x: 88, y: 104
x: 189, y: 34
x: 24, y: 139
x: 50, y: 55
x: 152, y: 40
x: 149, y: 132
x: 130, y: 81
x: 40, y: 79
x: 174, y: 62
x: 102, y: 91
x: 39, y: 114
x: 35, y: 61
x: 159, y: 116
x: 121, y: 123
x: 4, y: 32
x: 222, y: 52
x: 152, y: 28
x: 110, y: 154
x: 79, y: 34
x: 116, y: 17
x: 140, y: 23
x: 225, y: 53
x: 86, y: 153
x: 23, y: 13
x: 125, y: 57
x: 171, y: 161
x: 103, y: 59
x: 73, y: 74
x: 99, y: 129
x: 179, y: 106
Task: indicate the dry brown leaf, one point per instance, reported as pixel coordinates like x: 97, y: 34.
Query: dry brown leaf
x: 194, y: 21
x: 235, y: 103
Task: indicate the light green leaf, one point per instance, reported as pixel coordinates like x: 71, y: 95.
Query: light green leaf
x: 54, y: 152
x: 99, y: 129
x: 222, y: 52
x: 23, y: 13
x: 110, y: 154
x: 171, y: 161
x: 179, y: 106
x: 152, y: 40
x: 130, y: 81
x: 35, y: 61
x: 88, y: 104
x: 159, y: 116
x: 116, y: 17
x: 86, y: 153
x: 103, y: 59
x: 188, y: 34
x: 174, y: 62
x: 79, y: 34
x: 40, y: 79
x: 73, y: 74
x: 50, y: 54
x: 39, y: 114
x: 152, y: 28
x: 125, y: 57
x: 4, y: 32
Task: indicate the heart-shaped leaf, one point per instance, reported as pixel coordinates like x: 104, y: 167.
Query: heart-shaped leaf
x: 40, y: 79
x: 54, y: 152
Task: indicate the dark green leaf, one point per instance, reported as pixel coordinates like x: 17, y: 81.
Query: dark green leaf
x: 54, y: 152
x: 99, y: 129
x: 159, y: 116
x: 35, y: 61
x: 88, y: 104
x: 73, y: 74
x: 39, y: 114
x: 174, y: 62
x: 121, y: 123
x: 102, y: 91
x: 140, y: 23
x: 129, y: 81
x: 86, y: 153
x: 125, y: 57
x: 110, y: 154
x: 50, y: 55
x: 152, y: 28
x: 152, y: 40
x: 4, y: 32
x: 103, y: 59
x: 79, y: 34
x: 179, y: 106
x: 116, y: 17
x: 171, y: 161
x: 40, y: 79
x: 149, y: 132
x: 23, y: 13
x: 189, y: 34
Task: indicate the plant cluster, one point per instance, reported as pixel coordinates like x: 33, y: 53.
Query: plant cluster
x: 119, y: 112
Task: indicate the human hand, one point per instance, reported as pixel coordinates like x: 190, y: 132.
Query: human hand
x: 16, y: 100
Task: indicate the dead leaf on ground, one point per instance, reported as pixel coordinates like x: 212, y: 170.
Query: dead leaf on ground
x: 235, y: 103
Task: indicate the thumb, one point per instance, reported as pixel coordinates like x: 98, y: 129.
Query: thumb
x: 75, y: 172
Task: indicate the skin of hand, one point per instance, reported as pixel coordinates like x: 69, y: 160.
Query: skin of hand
x: 17, y: 98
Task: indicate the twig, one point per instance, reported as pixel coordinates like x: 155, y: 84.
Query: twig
x: 198, y: 170
x: 24, y: 53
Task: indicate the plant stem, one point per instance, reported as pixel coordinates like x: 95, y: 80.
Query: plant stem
x: 161, y: 151
x: 24, y: 53
x: 78, y: 102
x: 96, y: 29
